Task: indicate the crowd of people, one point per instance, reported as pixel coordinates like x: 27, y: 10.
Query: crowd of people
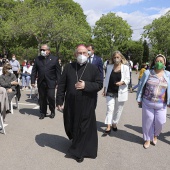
x: 76, y: 96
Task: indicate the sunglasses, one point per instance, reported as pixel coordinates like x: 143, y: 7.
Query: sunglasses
x: 42, y: 50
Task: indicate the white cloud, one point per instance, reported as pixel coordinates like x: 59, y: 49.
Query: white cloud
x: 104, y: 4
x: 137, y: 20
x: 93, y: 16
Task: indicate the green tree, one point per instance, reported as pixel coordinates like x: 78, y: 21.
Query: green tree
x: 5, y: 13
x: 52, y: 22
x: 145, y: 52
x: 111, y: 30
x: 158, y: 34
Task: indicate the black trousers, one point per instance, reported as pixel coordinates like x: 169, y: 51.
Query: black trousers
x: 16, y: 73
x: 130, y: 83
x: 46, y: 95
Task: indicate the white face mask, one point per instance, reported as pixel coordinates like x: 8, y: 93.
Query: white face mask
x: 43, y: 53
x: 10, y: 71
x: 81, y: 59
x: 13, y: 59
x: 89, y: 53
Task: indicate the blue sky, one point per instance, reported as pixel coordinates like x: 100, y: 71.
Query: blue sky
x: 137, y: 13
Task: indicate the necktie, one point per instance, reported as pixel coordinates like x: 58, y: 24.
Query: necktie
x: 89, y: 59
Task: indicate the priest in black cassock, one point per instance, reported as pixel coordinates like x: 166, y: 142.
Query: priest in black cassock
x: 77, y: 90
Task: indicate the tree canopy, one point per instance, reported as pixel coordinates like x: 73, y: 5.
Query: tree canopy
x: 25, y: 25
x: 111, y: 31
x: 158, y: 34
x: 33, y: 22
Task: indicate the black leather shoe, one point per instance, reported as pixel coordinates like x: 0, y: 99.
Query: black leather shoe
x: 8, y: 111
x: 106, y: 132
x: 114, y: 129
x: 42, y: 116
x: 79, y: 160
x: 52, y: 115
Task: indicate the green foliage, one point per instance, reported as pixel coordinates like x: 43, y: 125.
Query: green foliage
x: 62, y: 24
x: 145, y: 52
x: 158, y: 34
x: 134, y: 49
x: 112, y: 31
x: 35, y: 22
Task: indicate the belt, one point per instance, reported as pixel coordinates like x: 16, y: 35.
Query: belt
x: 112, y: 94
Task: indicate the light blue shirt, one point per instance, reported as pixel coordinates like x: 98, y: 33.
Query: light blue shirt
x: 15, y: 65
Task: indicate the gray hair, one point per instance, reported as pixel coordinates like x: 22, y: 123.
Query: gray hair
x: 48, y: 47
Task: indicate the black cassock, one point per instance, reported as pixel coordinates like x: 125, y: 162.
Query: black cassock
x: 79, y: 107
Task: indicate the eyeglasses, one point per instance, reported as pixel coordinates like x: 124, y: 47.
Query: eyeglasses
x: 42, y: 50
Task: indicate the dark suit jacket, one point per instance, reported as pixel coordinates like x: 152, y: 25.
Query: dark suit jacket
x: 97, y: 61
x: 47, y: 69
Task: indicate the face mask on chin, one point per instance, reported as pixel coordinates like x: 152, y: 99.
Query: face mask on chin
x: 81, y: 59
x: 43, y: 53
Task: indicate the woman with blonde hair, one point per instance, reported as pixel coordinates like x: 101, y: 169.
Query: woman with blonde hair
x: 116, y: 90
x: 8, y: 80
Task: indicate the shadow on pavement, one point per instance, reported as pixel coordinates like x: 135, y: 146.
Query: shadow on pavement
x: 168, y: 116
x: 56, y: 142
x: 30, y: 111
x: 135, y: 128
x: 162, y: 137
x: 124, y: 135
x: 32, y: 100
x: 100, y: 125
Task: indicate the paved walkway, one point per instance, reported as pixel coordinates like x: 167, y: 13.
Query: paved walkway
x: 33, y: 144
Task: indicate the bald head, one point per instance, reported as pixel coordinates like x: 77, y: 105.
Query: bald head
x: 81, y: 50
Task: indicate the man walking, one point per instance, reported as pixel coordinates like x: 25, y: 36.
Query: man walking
x: 79, y: 84
x: 47, y: 68
x: 94, y: 59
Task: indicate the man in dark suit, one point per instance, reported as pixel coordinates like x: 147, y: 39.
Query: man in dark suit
x: 94, y: 59
x: 47, y: 68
